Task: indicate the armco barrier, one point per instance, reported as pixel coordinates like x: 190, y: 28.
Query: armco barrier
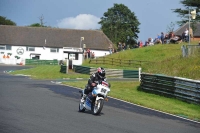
x: 109, y: 72
x: 81, y: 69
x: 130, y: 74
x: 63, y: 69
x: 176, y: 87
x: 78, y: 69
x: 40, y: 62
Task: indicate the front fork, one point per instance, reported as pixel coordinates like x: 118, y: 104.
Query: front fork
x: 97, y: 98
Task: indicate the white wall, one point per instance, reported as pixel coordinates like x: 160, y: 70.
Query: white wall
x: 45, y: 54
x: 100, y: 53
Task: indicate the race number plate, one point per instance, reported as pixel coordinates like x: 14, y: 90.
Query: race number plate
x: 103, y: 90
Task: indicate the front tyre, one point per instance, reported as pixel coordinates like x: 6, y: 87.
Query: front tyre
x: 98, y: 106
x: 81, y: 107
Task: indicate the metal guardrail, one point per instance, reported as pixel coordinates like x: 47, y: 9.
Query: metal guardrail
x: 81, y: 69
x: 63, y: 69
x: 109, y: 72
x: 40, y: 62
x: 180, y: 88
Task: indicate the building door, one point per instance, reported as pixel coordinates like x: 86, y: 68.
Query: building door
x: 37, y: 57
x: 65, y: 56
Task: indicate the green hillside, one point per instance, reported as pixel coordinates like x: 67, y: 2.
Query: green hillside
x: 162, y: 59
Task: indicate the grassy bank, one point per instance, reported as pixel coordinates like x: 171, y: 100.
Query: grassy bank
x: 163, y: 59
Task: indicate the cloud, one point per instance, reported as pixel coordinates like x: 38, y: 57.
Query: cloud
x: 82, y: 21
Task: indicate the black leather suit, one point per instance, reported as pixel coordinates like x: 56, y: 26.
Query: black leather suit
x: 93, y: 78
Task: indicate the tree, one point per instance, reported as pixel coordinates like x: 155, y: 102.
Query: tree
x: 120, y: 24
x: 35, y: 25
x: 170, y: 28
x: 41, y: 24
x: 184, y: 13
x: 4, y: 21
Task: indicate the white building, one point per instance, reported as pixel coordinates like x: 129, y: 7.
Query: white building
x: 21, y: 43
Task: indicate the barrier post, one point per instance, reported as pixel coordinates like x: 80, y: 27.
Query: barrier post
x: 67, y: 65
x: 139, y: 72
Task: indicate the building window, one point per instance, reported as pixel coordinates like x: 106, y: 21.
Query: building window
x: 73, y: 56
x: 5, y: 47
x: 54, y: 50
x: 8, y: 47
x: 30, y: 48
x: 2, y: 47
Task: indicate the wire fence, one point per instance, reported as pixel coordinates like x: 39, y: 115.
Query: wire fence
x: 190, y: 50
x: 118, y: 62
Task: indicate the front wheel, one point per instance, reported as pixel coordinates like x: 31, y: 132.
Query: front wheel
x: 98, y: 106
x: 81, y: 107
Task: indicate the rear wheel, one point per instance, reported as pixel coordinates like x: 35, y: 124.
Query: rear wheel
x: 97, y: 107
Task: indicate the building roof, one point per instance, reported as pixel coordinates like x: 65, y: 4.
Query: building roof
x: 55, y: 37
x: 196, y: 33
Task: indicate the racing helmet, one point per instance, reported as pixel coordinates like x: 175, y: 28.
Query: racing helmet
x: 101, y: 72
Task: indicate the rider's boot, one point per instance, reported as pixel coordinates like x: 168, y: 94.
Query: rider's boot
x: 83, y: 97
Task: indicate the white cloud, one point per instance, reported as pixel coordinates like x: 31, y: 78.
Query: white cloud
x: 82, y: 21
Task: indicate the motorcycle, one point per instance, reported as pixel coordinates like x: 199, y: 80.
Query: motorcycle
x: 94, y: 101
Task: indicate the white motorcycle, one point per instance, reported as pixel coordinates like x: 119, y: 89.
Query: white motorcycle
x: 95, y: 100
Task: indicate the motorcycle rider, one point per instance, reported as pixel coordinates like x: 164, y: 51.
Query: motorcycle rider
x: 99, y: 75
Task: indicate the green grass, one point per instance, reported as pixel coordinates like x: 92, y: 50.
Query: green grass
x: 49, y: 72
x: 167, y: 59
x: 178, y: 66
x: 163, y: 59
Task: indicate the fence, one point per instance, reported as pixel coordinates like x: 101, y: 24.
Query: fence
x: 180, y: 88
x: 109, y: 72
x: 188, y: 50
x: 41, y: 62
x: 117, y: 62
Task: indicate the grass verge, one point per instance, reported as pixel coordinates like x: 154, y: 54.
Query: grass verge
x: 49, y: 72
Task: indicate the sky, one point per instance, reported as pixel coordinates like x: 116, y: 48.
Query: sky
x: 154, y: 15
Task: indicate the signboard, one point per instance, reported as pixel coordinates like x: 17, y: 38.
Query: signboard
x: 20, y: 51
